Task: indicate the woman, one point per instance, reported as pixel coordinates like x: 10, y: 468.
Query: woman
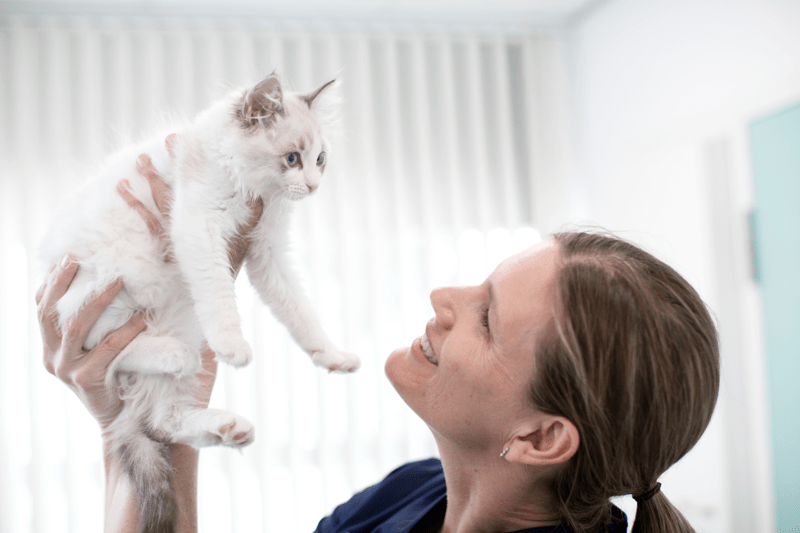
x: 581, y: 369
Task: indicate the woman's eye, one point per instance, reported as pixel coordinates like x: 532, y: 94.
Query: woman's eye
x: 292, y: 158
x: 485, y: 318
x: 321, y: 158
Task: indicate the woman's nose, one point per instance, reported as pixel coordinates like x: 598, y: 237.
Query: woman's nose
x: 442, y: 301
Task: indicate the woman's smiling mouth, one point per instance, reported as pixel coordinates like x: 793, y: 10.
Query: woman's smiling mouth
x: 427, y: 350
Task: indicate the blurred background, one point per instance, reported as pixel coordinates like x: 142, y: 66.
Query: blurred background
x: 469, y: 130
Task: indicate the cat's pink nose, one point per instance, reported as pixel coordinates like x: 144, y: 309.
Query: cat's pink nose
x: 312, y: 188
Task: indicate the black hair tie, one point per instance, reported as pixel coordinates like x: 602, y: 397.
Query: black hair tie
x: 649, y: 494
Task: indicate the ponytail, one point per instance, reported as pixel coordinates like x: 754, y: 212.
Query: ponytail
x: 658, y: 515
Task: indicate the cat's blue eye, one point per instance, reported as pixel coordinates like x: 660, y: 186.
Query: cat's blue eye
x: 293, y: 158
x: 321, y: 158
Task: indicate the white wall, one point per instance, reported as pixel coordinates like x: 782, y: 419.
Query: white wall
x: 663, y: 94
x: 652, y: 73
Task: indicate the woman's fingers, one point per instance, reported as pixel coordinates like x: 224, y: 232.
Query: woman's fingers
x: 162, y: 193
x: 58, y: 281
x: 87, y: 372
x: 162, y: 196
x: 40, y: 291
x: 257, y: 206
x: 117, y: 340
x: 44, y: 285
x: 54, y: 287
x: 170, y: 143
x: 153, y: 224
x: 239, y: 244
x: 77, y: 328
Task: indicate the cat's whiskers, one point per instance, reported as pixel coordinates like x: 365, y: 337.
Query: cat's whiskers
x: 280, y: 193
x: 285, y: 200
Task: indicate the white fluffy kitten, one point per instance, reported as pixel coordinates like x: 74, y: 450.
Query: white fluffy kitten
x: 258, y: 142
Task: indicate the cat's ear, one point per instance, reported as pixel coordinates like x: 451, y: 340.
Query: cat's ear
x: 262, y: 102
x: 310, y: 97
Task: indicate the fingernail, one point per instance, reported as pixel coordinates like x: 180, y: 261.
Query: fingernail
x: 67, y: 260
x: 142, y: 160
x: 123, y: 186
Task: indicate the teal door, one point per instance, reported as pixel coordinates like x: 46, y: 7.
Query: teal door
x: 775, y: 144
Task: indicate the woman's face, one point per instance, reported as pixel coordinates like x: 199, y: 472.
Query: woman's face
x: 467, y: 377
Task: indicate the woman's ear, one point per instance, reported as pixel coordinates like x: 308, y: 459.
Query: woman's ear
x: 551, y: 440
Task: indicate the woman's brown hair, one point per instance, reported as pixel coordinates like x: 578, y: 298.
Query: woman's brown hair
x: 632, y: 360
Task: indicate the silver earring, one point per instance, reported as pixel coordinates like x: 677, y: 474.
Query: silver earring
x: 504, y: 452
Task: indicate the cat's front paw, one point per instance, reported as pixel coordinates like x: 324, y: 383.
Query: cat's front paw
x: 232, y: 349
x: 335, y: 360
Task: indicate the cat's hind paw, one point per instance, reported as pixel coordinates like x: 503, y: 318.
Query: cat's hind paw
x: 336, y: 361
x: 236, y: 433
x: 158, y: 355
x: 232, y: 349
x: 180, y: 361
x: 213, y: 427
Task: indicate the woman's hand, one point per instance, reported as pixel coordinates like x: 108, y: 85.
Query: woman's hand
x: 162, y: 195
x: 237, y: 248
x: 84, y: 371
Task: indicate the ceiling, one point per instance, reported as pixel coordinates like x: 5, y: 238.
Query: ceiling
x: 501, y: 14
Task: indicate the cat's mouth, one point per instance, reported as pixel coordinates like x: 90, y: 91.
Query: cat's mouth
x: 296, y: 191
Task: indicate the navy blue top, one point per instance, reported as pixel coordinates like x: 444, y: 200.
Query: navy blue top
x: 413, y: 494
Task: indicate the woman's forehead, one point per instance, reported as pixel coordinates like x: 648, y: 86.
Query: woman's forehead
x: 532, y: 263
x: 521, y: 284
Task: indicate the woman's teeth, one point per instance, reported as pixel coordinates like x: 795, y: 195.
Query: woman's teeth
x: 428, y: 351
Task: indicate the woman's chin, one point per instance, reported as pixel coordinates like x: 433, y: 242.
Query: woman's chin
x: 403, y: 372
x: 394, y: 363
x: 409, y: 376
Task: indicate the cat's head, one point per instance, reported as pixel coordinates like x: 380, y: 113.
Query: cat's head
x: 281, y: 147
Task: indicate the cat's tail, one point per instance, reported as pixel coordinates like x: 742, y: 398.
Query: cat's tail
x: 147, y: 464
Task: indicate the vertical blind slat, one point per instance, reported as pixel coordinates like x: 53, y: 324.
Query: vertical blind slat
x: 26, y: 117
x: 530, y: 76
x: 5, y: 99
x: 477, y: 132
x: 505, y: 159
x: 395, y: 149
x: 372, y: 447
x: 454, y: 151
x: 90, y: 96
x: 6, y: 490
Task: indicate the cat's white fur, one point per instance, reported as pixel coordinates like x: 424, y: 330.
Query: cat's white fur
x: 235, y: 151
